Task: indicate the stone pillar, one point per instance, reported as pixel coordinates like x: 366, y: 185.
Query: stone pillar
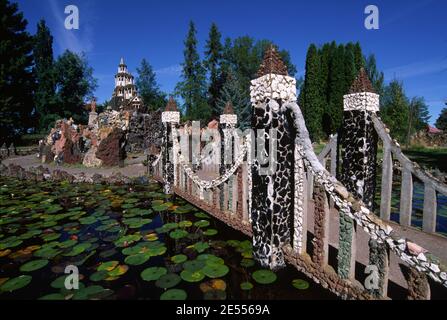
x: 272, y: 179
x: 93, y: 119
x: 170, y: 117
x: 358, y: 149
x: 228, y: 121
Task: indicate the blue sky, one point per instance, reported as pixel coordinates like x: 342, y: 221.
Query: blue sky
x: 411, y: 44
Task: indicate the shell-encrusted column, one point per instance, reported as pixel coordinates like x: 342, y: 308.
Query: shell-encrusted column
x: 170, y: 117
x: 272, y: 168
x: 358, y: 150
x: 228, y: 121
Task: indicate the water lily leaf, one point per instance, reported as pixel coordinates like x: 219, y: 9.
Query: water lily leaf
x: 180, y: 258
x: 151, y: 237
x: 215, y: 295
x: 168, y: 281
x: 127, y: 240
x: 88, y: 220
x: 170, y: 226
x: 300, y: 284
x: 202, y: 223
x: 108, y: 253
x: 192, y: 276
x: 52, y: 296
x: 215, y: 270
x: 108, y: 266
x: 47, y: 253
x: 246, y: 285
x: 178, y: 234
x: 194, y: 265
x: 210, y: 232
x: 201, y: 246
x: 16, y: 283
x: 137, y: 259
x: 214, y: 284
x: 67, y: 244
x: 99, y: 275
x: 247, y: 263
x: 4, y: 253
x: 34, y: 265
x: 264, y: 276
x: 201, y: 215
x: 210, y: 259
x: 185, y: 224
x: 118, y: 271
x: 153, y: 273
x: 174, y: 294
x: 59, y: 282
x: 157, y: 251
x: 78, y: 249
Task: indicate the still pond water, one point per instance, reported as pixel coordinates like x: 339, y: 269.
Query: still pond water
x: 127, y: 243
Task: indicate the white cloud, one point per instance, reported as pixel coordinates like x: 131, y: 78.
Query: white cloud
x: 417, y: 69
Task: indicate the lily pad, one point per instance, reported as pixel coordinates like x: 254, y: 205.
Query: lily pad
x: 127, y: 240
x: 185, y: 224
x: 201, y: 246
x: 214, y: 284
x: 300, y: 284
x: 168, y: 281
x: 178, y: 234
x: 34, y: 265
x: 180, y: 258
x: 264, y: 276
x: 16, y: 283
x: 247, y: 263
x: 78, y: 249
x: 137, y: 259
x: 118, y: 271
x: 215, y: 270
x: 192, y: 276
x: 99, y: 275
x: 194, y: 265
x: 246, y: 285
x: 174, y: 294
x: 202, y: 223
x: 52, y: 296
x: 153, y: 273
x: 215, y: 295
x: 108, y: 266
x: 210, y: 232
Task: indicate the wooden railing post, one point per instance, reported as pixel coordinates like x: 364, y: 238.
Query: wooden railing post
x: 170, y: 117
x: 272, y: 190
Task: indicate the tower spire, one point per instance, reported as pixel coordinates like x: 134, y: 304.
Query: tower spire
x: 362, y: 83
x: 272, y: 63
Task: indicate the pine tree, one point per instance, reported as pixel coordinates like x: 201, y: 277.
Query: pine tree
x: 376, y: 77
x: 232, y: 91
x: 336, y: 88
x: 45, y: 94
x: 75, y: 84
x: 359, y: 60
x: 193, y: 87
x: 148, y: 88
x: 16, y: 77
x: 350, y: 70
x: 213, y: 58
x: 441, y: 122
x: 395, y: 110
x: 313, y: 94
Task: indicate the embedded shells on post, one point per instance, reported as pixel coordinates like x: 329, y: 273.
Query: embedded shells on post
x: 273, y: 86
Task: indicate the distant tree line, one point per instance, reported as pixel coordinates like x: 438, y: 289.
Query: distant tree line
x: 222, y: 75
x: 329, y: 73
x: 36, y: 89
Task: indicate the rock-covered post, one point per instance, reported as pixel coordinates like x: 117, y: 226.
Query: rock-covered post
x: 93, y: 115
x: 358, y: 150
x: 272, y: 176
x: 228, y: 121
x: 170, y: 118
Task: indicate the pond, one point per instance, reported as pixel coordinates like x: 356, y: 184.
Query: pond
x: 128, y: 242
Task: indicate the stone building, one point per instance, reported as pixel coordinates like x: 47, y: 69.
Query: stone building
x: 125, y: 95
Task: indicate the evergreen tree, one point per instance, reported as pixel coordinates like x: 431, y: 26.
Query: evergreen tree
x: 337, y: 88
x: 359, y: 60
x: 313, y: 94
x: 75, y: 84
x: 441, y: 122
x: 148, y: 88
x: 349, y: 66
x: 395, y: 110
x: 418, y: 116
x: 376, y: 77
x: 193, y: 87
x: 16, y: 77
x: 45, y: 94
x: 213, y: 58
x: 232, y: 91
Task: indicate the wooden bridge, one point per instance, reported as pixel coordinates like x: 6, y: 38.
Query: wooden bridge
x: 316, y: 213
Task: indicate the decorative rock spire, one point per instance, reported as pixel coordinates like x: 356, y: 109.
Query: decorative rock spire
x: 362, y: 83
x: 272, y: 63
x: 228, y: 108
x: 171, y: 105
x: 171, y: 113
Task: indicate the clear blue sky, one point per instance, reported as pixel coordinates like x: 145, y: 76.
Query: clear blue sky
x: 411, y: 44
